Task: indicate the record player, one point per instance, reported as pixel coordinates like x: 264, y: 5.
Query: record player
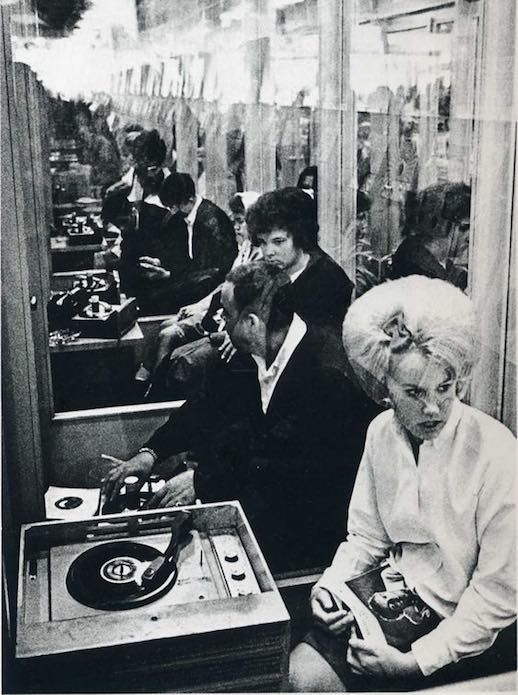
x: 160, y: 600
x: 106, y: 320
x: 65, y: 303
x: 82, y: 229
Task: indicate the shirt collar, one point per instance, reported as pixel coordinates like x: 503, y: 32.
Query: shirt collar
x: 451, y: 425
x: 192, y: 215
x: 153, y: 199
x: 294, y: 276
x: 268, y: 377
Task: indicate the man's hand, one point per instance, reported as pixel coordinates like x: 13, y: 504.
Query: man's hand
x: 328, y: 614
x: 115, y: 187
x: 186, y: 311
x: 380, y: 660
x: 226, y: 349
x: 152, y: 269
x: 140, y: 465
x: 150, y: 260
x: 177, y: 490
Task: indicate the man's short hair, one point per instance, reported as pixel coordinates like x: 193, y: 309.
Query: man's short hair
x: 150, y: 149
x: 311, y: 171
x: 286, y: 208
x: 265, y: 290
x: 241, y: 201
x: 177, y: 189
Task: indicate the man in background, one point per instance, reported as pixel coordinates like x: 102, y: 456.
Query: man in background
x: 187, y: 255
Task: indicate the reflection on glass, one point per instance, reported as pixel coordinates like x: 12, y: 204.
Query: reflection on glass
x: 270, y: 50
x: 412, y: 216
x: 239, y: 80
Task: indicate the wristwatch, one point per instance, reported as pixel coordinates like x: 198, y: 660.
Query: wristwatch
x: 147, y: 450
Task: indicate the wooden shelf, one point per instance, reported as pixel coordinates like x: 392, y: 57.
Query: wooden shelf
x: 132, y: 337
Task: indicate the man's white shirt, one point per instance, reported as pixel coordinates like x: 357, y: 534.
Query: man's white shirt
x: 269, y: 376
x: 189, y: 221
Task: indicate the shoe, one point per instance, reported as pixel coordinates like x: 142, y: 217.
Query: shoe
x: 142, y: 374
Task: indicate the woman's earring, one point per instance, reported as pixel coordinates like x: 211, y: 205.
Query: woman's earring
x: 386, y: 402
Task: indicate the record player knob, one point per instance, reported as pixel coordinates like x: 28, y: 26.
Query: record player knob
x: 94, y: 304
x: 132, y: 485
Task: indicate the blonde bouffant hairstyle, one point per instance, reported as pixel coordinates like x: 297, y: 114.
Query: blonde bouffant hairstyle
x: 412, y: 313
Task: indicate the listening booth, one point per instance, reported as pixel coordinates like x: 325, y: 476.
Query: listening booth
x: 148, y: 148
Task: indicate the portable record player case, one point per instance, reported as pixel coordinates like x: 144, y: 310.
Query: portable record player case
x: 214, y: 630
x: 114, y: 324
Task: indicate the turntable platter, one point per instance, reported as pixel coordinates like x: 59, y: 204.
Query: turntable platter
x: 109, y: 576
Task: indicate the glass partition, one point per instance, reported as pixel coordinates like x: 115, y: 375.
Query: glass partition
x: 233, y: 89
x: 413, y: 201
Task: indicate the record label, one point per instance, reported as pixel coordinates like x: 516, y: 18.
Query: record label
x: 69, y: 502
x: 109, y: 576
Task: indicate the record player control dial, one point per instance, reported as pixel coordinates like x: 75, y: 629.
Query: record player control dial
x: 120, y: 570
x: 237, y: 571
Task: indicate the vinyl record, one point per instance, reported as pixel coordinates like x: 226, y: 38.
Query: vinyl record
x: 107, y: 576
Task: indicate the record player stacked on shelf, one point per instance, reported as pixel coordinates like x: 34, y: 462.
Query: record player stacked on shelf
x: 172, y: 600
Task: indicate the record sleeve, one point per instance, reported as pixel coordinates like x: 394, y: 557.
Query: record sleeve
x: 386, y: 610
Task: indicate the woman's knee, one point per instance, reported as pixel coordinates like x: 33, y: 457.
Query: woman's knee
x: 310, y: 672
x: 171, y: 321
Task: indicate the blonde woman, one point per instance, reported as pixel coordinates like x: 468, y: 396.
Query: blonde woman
x: 434, y: 495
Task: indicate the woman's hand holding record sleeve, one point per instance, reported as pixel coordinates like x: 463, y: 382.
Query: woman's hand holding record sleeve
x: 328, y: 614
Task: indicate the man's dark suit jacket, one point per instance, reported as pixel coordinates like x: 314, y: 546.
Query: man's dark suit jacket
x: 322, y: 292
x: 213, y: 240
x: 165, y: 236
x: 292, y: 468
x: 413, y: 258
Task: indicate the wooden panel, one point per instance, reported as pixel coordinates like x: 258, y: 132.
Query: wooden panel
x: 260, y: 115
x: 20, y: 398
x: 386, y: 189
x: 220, y: 183
x: 395, y: 196
x: 289, y: 144
x: 260, y: 148
x: 337, y: 139
x: 464, y: 51
x: 79, y: 439
x: 45, y: 117
x: 379, y: 212
x: 492, y: 201
x: 34, y: 173
x: 428, y: 130
x: 187, y: 140
x: 509, y: 377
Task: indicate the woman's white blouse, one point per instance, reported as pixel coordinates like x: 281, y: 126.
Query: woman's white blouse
x: 447, y: 523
